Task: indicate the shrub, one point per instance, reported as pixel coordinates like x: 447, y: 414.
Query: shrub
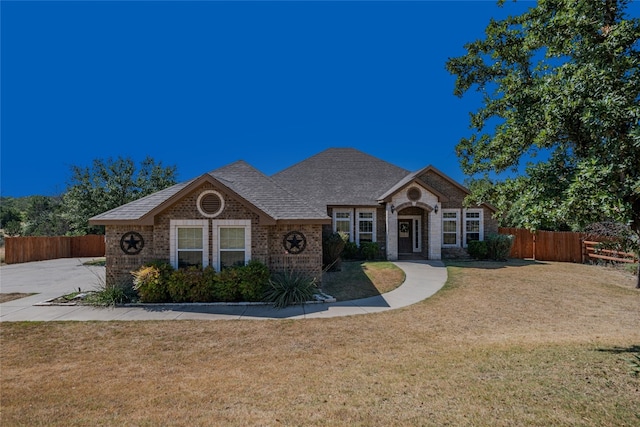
x: 120, y: 293
x: 204, y: 289
x: 350, y: 250
x: 332, y: 246
x: 227, y: 287
x: 253, y: 279
x: 149, y: 285
x: 182, y: 283
x: 369, y: 250
x: 499, y: 246
x: 290, y: 288
x: 477, y: 249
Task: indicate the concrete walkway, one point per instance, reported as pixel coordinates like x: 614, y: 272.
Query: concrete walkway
x: 54, y: 278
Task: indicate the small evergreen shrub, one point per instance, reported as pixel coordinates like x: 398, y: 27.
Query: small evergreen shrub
x: 477, y: 249
x: 332, y: 246
x: 369, y: 250
x: 204, y: 289
x: 182, y: 282
x: 499, y: 246
x: 254, y: 278
x: 147, y: 281
x: 350, y: 251
x: 227, y: 287
x: 290, y: 288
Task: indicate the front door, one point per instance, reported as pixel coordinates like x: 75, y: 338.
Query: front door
x: 405, y: 236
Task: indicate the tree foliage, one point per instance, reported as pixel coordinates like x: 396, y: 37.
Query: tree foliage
x: 560, y: 83
x: 108, y: 184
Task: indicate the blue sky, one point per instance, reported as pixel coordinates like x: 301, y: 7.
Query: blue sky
x: 201, y: 84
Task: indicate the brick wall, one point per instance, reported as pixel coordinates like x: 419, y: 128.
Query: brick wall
x: 308, y: 262
x: 120, y: 265
x: 266, y: 240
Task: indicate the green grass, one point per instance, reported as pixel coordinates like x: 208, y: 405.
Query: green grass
x: 362, y: 279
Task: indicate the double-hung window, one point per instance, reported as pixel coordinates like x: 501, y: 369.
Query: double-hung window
x: 189, y: 243
x: 342, y: 222
x: 366, y: 226
x: 232, y: 246
x: 473, y: 227
x: 231, y: 240
x: 450, y: 227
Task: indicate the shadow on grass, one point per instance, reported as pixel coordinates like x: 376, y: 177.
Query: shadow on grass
x: 492, y: 265
x: 349, y: 283
x: 618, y: 350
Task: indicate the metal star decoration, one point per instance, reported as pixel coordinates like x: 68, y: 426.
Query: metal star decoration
x: 131, y: 243
x: 294, y: 242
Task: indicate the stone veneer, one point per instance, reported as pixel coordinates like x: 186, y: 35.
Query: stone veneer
x: 266, y: 240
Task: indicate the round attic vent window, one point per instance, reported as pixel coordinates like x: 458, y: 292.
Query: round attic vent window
x: 210, y: 203
x: 414, y: 194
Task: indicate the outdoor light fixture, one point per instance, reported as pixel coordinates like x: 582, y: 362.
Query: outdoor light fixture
x: 393, y: 208
x: 435, y: 209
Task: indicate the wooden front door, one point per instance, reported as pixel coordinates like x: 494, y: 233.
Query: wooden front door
x: 405, y: 236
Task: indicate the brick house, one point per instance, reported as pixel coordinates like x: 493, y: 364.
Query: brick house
x: 236, y: 213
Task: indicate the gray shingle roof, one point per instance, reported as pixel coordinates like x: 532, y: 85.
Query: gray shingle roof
x: 265, y: 193
x: 138, y: 208
x: 340, y: 176
x: 249, y: 183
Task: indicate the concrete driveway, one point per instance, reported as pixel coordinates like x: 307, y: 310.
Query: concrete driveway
x: 53, y: 278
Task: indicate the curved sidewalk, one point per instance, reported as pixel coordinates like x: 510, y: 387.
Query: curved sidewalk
x: 54, y: 278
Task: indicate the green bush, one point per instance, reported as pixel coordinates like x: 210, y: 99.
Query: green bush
x: 332, y: 246
x: 120, y: 293
x: 369, y: 250
x: 499, y: 246
x: 290, y: 288
x: 350, y: 251
x: 477, y: 249
x: 253, y: 281
x: 182, y: 283
x: 227, y: 287
x: 204, y: 289
x: 160, y: 283
x: 148, y: 282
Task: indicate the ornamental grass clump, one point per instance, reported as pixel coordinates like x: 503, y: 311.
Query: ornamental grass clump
x: 290, y: 288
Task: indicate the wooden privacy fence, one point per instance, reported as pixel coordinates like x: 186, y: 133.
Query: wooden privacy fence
x: 26, y: 249
x: 565, y: 246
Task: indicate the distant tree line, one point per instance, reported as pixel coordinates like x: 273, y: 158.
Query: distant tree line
x: 104, y: 185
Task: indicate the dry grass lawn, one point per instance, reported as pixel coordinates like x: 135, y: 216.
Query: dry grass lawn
x: 6, y: 297
x: 527, y: 344
x: 359, y: 279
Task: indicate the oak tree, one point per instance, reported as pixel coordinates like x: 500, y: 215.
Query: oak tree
x: 560, y: 87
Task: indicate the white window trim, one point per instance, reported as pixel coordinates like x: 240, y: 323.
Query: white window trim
x: 357, y: 223
x: 457, y: 220
x: 351, y: 221
x: 215, y: 238
x: 464, y: 223
x: 174, y: 224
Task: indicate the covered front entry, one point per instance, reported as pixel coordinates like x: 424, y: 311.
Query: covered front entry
x: 410, y: 234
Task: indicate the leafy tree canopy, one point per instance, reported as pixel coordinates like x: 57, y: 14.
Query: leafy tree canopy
x: 108, y: 184
x: 560, y: 82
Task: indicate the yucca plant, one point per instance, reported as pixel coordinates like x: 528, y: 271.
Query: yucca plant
x: 290, y: 288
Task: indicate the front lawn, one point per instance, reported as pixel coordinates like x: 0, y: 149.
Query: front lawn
x: 515, y: 344
x: 359, y: 279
